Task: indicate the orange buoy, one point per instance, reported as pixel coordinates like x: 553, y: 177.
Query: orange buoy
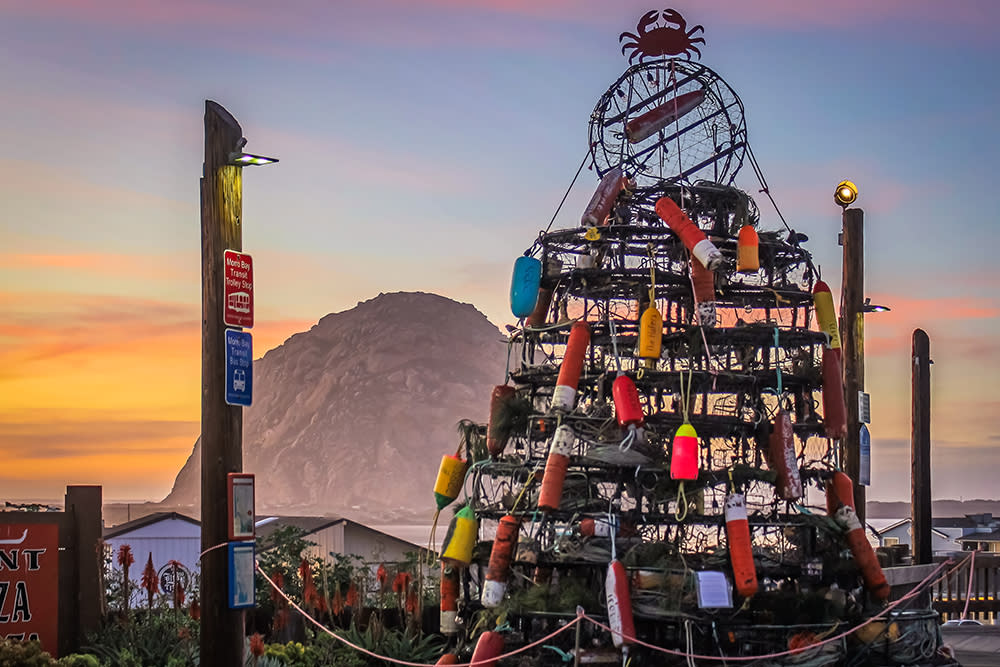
x: 449, y: 599
x: 540, y: 314
x: 740, y: 547
x: 747, y: 250
x: 781, y: 456
x: 597, y: 211
x: 693, y: 238
x: 703, y: 283
x: 839, y: 491
x: 500, y: 557
x: 447, y: 659
x: 619, y: 601
x: 497, y: 431
x: 555, y: 468
x: 564, y: 393
x: 864, y: 555
x: 657, y: 118
x: 490, y: 645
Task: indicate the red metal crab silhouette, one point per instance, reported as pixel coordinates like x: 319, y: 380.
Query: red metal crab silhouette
x: 662, y: 40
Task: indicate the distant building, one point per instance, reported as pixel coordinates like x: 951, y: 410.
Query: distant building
x: 340, y: 536
x: 172, y: 536
x: 167, y: 536
x: 948, y: 534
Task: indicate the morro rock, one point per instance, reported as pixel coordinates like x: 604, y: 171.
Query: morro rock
x: 352, y: 417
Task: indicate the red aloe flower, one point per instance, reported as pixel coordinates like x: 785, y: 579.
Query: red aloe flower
x: 338, y: 602
x: 150, y: 582
x: 125, y: 557
x: 321, y: 605
x: 352, y: 596
x: 280, y: 619
x: 382, y: 576
x: 279, y: 584
x: 401, y: 582
x: 411, y: 602
x: 257, y: 647
x: 195, y: 609
x: 309, y: 593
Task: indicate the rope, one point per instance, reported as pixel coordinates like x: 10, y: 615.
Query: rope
x: 777, y: 366
x: 372, y: 654
x: 217, y: 546
x: 968, y: 592
x: 563, y: 200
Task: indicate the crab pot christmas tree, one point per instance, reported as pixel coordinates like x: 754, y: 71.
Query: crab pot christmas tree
x: 730, y: 553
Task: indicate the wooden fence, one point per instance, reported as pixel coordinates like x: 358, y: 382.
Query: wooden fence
x: 953, y: 595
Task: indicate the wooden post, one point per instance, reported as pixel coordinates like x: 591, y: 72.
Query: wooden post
x: 920, y: 448
x: 83, y: 506
x: 221, y: 424
x: 852, y: 327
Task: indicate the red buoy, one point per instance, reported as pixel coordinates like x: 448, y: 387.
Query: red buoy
x: 449, y: 599
x: 660, y: 116
x: 490, y: 645
x: 781, y: 458
x: 684, y: 453
x: 599, y: 208
x: 834, y: 410
x: 703, y: 284
x: 628, y: 409
x: 619, y: 601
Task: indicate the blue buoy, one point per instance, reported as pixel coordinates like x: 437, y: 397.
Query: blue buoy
x: 524, y: 286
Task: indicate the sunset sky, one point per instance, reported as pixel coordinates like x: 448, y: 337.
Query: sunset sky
x: 423, y: 145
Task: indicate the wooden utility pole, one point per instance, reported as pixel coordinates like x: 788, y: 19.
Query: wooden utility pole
x: 920, y: 448
x: 221, y: 424
x: 852, y: 335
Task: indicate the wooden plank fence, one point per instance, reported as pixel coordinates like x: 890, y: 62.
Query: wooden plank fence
x: 950, y: 595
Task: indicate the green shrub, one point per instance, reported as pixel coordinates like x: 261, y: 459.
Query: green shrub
x: 14, y: 653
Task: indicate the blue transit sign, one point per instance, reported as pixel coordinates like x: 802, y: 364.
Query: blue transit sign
x: 865, y: 474
x: 239, y: 367
x: 241, y: 583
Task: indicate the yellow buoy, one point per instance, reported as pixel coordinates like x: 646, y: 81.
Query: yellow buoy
x: 461, y: 538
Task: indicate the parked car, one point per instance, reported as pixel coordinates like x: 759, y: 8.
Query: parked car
x: 957, y: 622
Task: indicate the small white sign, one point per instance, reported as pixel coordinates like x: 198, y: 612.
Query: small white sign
x: 864, y: 408
x: 714, y: 591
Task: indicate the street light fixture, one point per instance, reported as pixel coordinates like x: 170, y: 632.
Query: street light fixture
x: 250, y: 160
x: 869, y: 307
x: 845, y: 194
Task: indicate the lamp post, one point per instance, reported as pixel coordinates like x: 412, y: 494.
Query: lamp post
x: 852, y: 334
x: 221, y: 423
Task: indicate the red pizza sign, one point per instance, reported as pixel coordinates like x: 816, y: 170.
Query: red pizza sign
x: 29, y: 582
x: 237, y: 310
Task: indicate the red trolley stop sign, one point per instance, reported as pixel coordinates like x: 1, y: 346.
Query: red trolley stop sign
x: 237, y: 310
